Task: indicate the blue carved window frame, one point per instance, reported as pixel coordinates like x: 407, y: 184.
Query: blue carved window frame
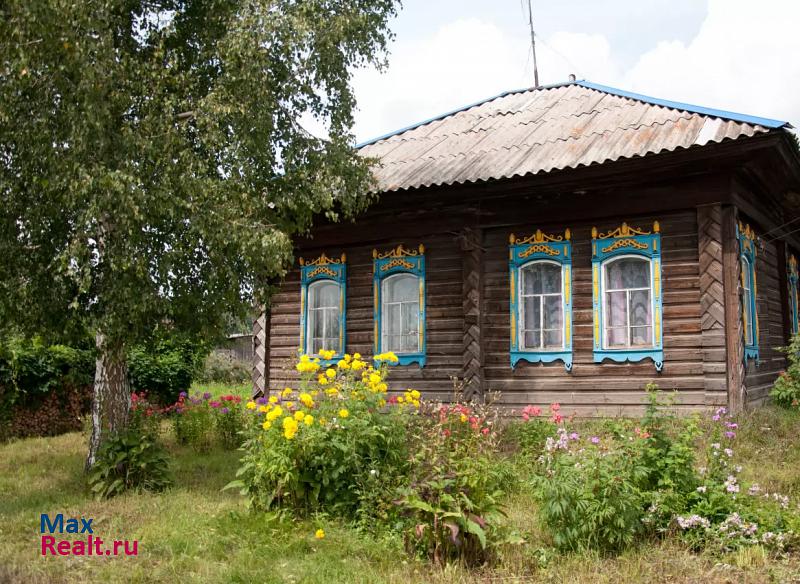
x: 747, y: 256
x: 524, y: 252
x: 794, y: 295
x: 323, y: 268
x: 631, y: 242
x: 399, y: 261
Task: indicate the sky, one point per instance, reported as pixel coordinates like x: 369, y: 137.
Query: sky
x: 737, y: 55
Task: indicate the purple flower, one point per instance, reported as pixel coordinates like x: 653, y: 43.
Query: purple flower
x: 715, y: 418
x: 183, y: 394
x: 732, y: 425
x: 206, y: 396
x: 261, y: 401
x: 594, y: 440
x: 224, y: 410
x: 730, y: 434
x: 574, y: 436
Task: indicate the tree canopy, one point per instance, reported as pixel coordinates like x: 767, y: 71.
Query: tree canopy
x: 154, y: 163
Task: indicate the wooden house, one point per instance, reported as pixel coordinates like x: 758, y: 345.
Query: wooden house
x: 569, y: 244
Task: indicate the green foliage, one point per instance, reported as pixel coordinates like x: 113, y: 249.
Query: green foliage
x: 164, y: 367
x: 453, y: 500
x: 156, y: 170
x: 316, y: 449
x: 219, y: 368
x: 786, y: 391
x: 592, y: 500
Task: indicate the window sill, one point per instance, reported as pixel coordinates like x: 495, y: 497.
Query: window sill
x: 406, y: 359
x: 542, y: 357
x: 631, y: 356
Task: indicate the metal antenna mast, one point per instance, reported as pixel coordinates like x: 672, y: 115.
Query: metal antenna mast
x: 533, y: 46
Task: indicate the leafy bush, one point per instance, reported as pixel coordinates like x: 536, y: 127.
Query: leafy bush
x: 591, y: 499
x: 315, y: 449
x: 221, y: 368
x: 202, y: 422
x: 786, y: 391
x: 453, y: 500
x: 165, y: 366
x: 44, y: 390
x: 132, y: 459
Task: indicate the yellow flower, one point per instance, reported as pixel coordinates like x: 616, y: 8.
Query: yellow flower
x: 415, y: 394
x: 331, y: 391
x: 308, y: 419
x: 286, y: 392
x: 314, y: 392
x: 400, y: 399
x: 322, y: 421
x: 327, y: 354
x: 381, y: 402
x: 275, y: 413
x: 356, y: 355
x: 375, y: 378
x: 266, y: 425
x: 273, y: 400
x: 298, y: 415
x: 251, y: 405
x: 289, y: 405
x: 319, y: 534
x: 464, y: 418
x: 306, y: 400
x: 343, y: 413
x: 347, y: 357
x: 289, y: 427
x: 322, y: 379
x: 263, y: 409
x: 331, y: 373
x: 342, y: 364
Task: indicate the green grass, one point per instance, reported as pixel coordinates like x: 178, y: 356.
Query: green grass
x: 196, y: 533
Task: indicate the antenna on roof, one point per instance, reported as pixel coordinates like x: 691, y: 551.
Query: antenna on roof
x: 533, y: 46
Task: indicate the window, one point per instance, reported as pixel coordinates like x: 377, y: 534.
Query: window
x: 794, y: 299
x: 399, y: 312
x: 322, y: 306
x: 540, y: 268
x: 323, y: 316
x: 628, y: 303
x: 747, y: 257
x: 626, y: 286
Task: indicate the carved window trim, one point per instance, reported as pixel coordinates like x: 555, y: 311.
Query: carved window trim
x: 328, y: 269
x: 523, y: 252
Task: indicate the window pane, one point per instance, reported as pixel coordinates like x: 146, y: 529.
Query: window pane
x: 617, y: 337
x: 541, y: 278
x: 640, y: 308
x: 616, y: 313
x: 403, y: 287
x: 323, y: 294
x: 641, y: 335
x: 552, y: 339
x: 332, y: 329
x: 531, y: 339
x: 553, y: 317
x: 531, y: 313
x: 628, y: 273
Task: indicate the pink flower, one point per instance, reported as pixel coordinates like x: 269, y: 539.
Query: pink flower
x: 594, y: 440
x: 554, y: 407
x: 485, y: 431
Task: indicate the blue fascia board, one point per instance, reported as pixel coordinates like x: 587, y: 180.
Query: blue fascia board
x: 706, y: 111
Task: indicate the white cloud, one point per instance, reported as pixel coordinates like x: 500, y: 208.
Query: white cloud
x: 745, y: 57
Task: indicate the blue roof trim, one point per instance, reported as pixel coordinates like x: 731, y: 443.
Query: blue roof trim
x: 457, y: 110
x: 707, y: 111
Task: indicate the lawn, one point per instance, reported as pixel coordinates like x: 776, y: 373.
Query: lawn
x: 197, y: 533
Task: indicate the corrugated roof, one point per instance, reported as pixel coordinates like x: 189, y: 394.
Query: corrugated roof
x: 561, y: 126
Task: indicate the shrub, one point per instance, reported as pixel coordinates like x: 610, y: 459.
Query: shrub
x: 529, y: 432
x: 165, y: 366
x: 590, y: 497
x: 786, y: 391
x: 132, y: 459
x: 44, y: 389
x: 315, y: 448
x: 202, y: 422
x: 452, y: 502
x: 221, y: 368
